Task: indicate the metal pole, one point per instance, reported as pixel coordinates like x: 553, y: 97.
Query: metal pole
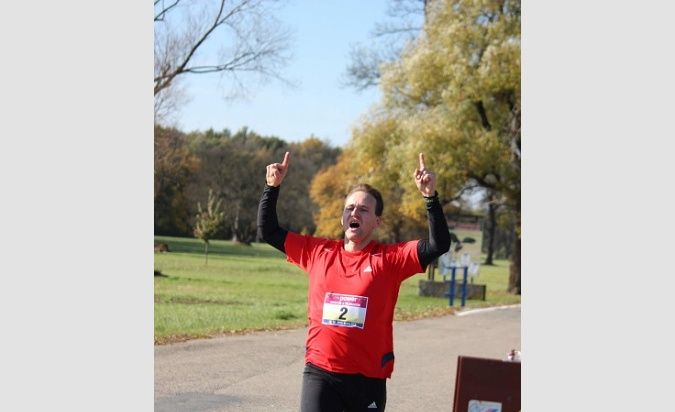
x: 451, y: 291
x: 466, y: 272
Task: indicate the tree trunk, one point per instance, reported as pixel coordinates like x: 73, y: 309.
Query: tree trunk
x: 514, y: 272
x: 492, y: 221
x: 235, y: 225
x: 431, y: 269
x: 206, y: 252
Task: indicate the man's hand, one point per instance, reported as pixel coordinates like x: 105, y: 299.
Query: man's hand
x: 277, y: 171
x: 425, y: 179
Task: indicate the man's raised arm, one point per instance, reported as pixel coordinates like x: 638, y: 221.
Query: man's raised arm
x: 439, y: 235
x: 268, y: 225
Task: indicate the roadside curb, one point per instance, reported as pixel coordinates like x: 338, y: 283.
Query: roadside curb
x: 483, y: 310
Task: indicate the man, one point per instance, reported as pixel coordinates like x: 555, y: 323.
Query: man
x: 353, y: 288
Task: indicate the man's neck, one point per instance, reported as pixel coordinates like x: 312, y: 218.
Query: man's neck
x: 350, y: 246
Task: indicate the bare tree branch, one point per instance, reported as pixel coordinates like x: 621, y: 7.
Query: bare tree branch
x: 256, y: 41
x: 489, y: 181
x: 388, y: 40
x: 405, y: 8
x: 363, y: 71
x: 480, y: 108
x: 168, y: 103
x: 466, y: 189
x: 164, y: 9
x: 389, y: 28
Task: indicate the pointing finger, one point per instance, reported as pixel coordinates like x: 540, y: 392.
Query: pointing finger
x: 422, y: 165
x: 286, y: 159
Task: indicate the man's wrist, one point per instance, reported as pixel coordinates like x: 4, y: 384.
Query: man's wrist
x: 431, y: 199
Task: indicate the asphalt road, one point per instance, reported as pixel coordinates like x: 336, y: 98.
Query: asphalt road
x: 263, y: 371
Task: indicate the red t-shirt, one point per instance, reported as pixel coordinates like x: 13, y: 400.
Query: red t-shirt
x: 351, y: 301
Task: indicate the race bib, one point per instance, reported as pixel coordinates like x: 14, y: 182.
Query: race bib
x: 344, y: 310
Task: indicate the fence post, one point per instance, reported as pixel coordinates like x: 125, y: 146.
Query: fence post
x: 451, y: 291
x: 466, y: 271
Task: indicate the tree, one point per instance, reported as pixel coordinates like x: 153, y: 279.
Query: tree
x: 225, y: 159
x: 458, y: 90
x: 309, y: 157
x: 372, y: 156
x: 174, y: 167
x: 208, y: 222
x: 251, y: 40
x: 387, y: 41
x: 454, y: 95
x: 492, y: 228
x: 328, y: 193
x: 504, y: 235
x: 168, y: 102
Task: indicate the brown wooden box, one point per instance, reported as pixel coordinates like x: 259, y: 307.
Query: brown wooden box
x: 491, y: 380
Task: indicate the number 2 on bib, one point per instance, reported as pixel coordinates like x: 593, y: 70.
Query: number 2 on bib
x: 342, y: 310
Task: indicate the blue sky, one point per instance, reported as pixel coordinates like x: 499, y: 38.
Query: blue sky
x: 322, y: 34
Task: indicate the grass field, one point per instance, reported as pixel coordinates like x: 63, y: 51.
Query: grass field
x: 246, y: 288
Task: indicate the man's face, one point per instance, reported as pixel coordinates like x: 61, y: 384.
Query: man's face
x: 358, y: 218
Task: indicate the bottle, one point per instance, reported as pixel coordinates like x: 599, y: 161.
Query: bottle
x: 513, y: 356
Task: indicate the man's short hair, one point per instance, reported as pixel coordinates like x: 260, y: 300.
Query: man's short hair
x: 363, y: 187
